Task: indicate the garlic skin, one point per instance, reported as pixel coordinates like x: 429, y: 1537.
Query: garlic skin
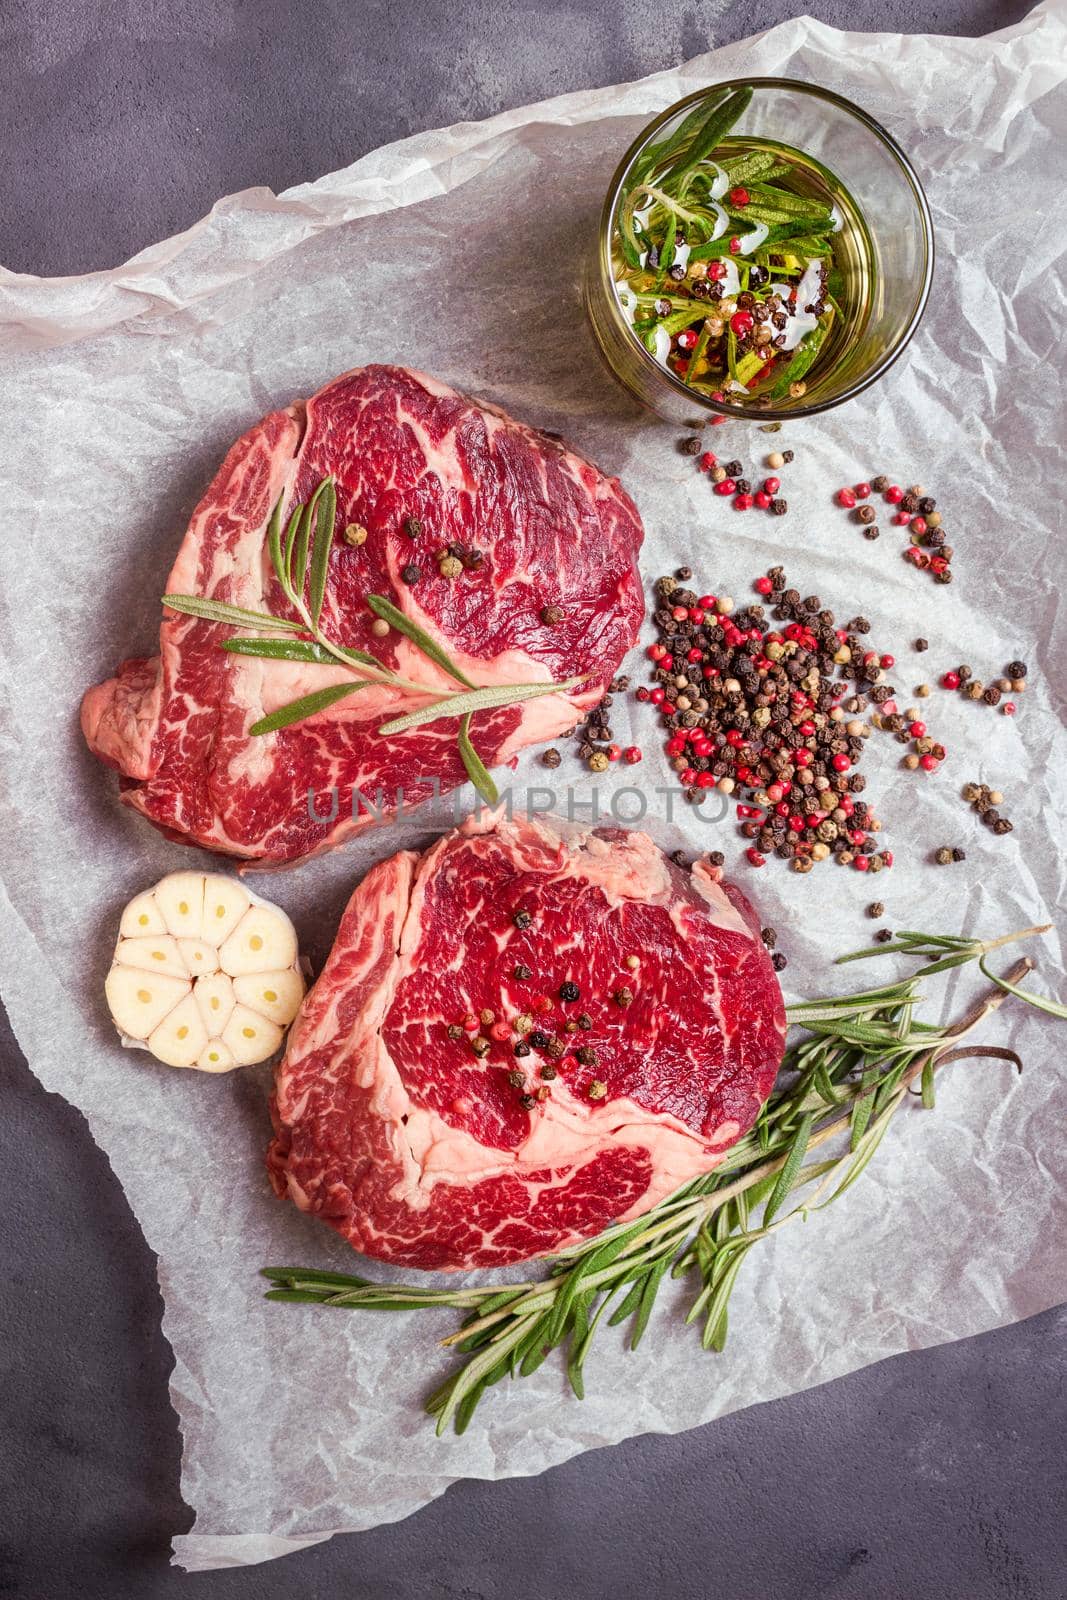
x: 205, y: 974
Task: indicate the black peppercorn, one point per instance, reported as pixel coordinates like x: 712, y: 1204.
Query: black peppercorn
x: 517, y: 1079
x: 456, y: 1032
x: 548, y: 1072
x: 550, y: 615
x: 690, y: 447
x: 586, y: 1055
x: 769, y: 937
x: 551, y: 758
x: 716, y: 858
x: 778, y: 961
x: 410, y: 574
x: 787, y: 457
x: 521, y: 972
x: 412, y: 527
x: 1015, y: 669
x: 585, y: 1022
x: 521, y: 1048
x: 876, y: 909
x: 538, y: 1040
x: 779, y: 507
x: 883, y: 936
x: 527, y: 1101
x: 569, y: 991
x: 921, y: 644
x: 733, y: 469
x: 684, y: 573
x: 522, y: 919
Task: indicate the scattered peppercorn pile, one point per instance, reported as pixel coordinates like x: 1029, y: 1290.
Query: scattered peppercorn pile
x: 596, y: 742
x: 915, y: 510
x: 985, y: 801
x: 767, y: 712
x: 963, y: 680
x: 728, y: 478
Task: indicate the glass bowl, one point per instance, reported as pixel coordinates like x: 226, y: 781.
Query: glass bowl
x: 887, y: 241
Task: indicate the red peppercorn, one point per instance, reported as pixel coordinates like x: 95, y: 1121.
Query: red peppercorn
x: 642, y: 694
x: 771, y: 485
x: 541, y: 1003
x: 797, y: 824
x: 887, y: 858
x: 739, y: 196
x: 688, y: 777
x: 716, y: 270
x: 806, y: 730
x: 1008, y: 708
x: 631, y: 755
x: 840, y: 762
x: 687, y: 339
x: 675, y: 746
x: 862, y: 491
x: 917, y: 729
x: 470, y: 1022
x: 743, y: 502
x: 894, y: 495
x: 887, y: 661
x: 735, y: 246
x: 754, y: 856
x: 763, y: 586
x: 929, y: 763
x: 742, y: 322
x: 727, y: 486
x: 500, y: 1031
x: 951, y: 680
x: 918, y: 525
x: 656, y: 652
x: 762, y: 499
x: 861, y: 864
x: 656, y: 696
x: 901, y: 519
x: 707, y: 601
x: 680, y: 614
x: 705, y: 780
x: 846, y: 498
x: 694, y: 655
x: 614, y: 752
x: 666, y: 661
x: 937, y: 563
x: 708, y: 460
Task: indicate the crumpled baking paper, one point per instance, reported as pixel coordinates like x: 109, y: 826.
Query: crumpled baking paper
x: 460, y: 251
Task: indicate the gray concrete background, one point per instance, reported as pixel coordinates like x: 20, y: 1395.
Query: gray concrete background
x: 939, y: 1474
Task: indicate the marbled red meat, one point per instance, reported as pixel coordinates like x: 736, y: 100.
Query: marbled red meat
x: 403, y: 448
x: 420, y: 1151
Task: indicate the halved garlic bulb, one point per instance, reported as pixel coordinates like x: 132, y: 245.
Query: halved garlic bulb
x: 205, y: 974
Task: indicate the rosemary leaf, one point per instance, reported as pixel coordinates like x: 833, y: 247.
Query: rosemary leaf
x: 196, y: 605
x: 290, y: 540
x: 325, y: 500
x: 793, y: 1164
x: 274, y: 545
x: 305, y: 650
x: 476, y: 769
x: 389, y: 613
x: 307, y: 706
x: 460, y: 705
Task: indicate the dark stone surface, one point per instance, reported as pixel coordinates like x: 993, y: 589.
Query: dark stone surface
x: 937, y: 1474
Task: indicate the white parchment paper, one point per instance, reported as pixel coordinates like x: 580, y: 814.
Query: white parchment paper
x: 460, y: 251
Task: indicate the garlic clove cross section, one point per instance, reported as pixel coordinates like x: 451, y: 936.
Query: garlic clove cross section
x: 205, y: 974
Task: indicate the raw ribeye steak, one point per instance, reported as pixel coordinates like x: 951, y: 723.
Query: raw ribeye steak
x: 549, y: 589
x: 518, y: 1039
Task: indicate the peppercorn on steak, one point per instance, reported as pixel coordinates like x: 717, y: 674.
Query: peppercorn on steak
x: 510, y: 561
x: 518, y: 1039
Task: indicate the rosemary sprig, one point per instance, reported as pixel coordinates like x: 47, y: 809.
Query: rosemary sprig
x: 300, y: 557
x: 858, y: 1059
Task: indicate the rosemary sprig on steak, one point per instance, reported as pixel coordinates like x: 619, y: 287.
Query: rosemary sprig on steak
x: 300, y: 557
x: 842, y: 1082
